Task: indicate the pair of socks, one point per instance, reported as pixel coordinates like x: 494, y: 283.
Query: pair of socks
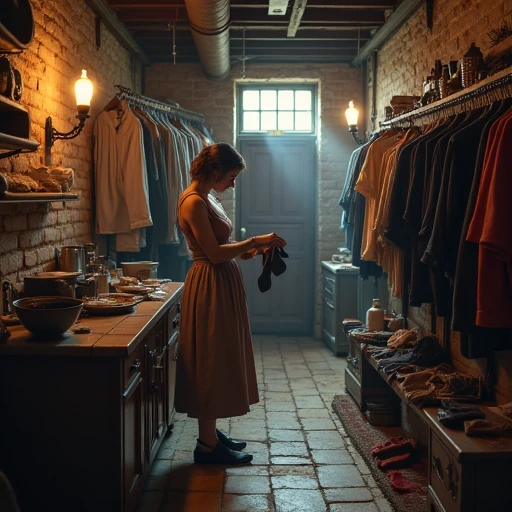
x: 272, y: 264
x: 404, y: 460
x: 393, y: 447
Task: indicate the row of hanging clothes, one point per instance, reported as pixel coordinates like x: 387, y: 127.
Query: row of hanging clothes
x: 430, y: 204
x: 143, y: 149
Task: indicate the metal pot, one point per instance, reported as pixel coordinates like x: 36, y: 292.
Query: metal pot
x: 60, y: 284
x: 72, y: 259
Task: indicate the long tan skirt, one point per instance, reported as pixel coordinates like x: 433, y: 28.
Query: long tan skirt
x: 215, y: 377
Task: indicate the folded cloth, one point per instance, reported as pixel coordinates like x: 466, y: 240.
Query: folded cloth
x: 431, y: 385
x: 400, y: 483
x: 453, y: 414
x: 403, y: 338
x: 485, y: 428
x: 426, y: 353
x: 392, y: 447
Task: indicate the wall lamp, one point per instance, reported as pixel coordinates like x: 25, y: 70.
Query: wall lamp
x: 352, y: 115
x: 83, y: 93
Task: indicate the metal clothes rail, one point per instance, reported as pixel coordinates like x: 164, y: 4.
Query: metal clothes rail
x: 170, y: 107
x: 485, y: 92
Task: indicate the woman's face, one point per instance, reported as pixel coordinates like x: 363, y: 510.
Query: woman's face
x: 228, y: 181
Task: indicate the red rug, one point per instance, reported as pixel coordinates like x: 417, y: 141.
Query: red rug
x: 364, y: 436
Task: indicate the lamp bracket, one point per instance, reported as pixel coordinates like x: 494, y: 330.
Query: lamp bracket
x: 51, y: 134
x: 353, y: 130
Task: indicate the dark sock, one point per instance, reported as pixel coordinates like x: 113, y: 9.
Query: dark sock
x: 278, y: 265
x: 265, y: 279
x: 283, y: 253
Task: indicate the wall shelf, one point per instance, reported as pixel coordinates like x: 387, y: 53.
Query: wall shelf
x: 23, y: 201
x: 14, y: 129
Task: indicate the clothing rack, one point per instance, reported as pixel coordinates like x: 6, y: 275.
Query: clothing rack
x: 170, y: 107
x: 485, y: 92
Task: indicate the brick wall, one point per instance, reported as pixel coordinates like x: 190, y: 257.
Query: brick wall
x: 403, y: 62
x: 186, y: 84
x: 64, y: 43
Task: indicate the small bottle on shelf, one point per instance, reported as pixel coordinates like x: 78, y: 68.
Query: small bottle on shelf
x: 375, y: 317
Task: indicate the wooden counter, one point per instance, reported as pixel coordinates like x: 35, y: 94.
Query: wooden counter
x: 83, y: 416
x: 110, y: 335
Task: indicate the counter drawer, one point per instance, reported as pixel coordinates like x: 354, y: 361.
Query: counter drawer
x: 133, y: 365
x: 173, y: 321
x: 329, y: 289
x: 329, y: 317
x: 444, y: 475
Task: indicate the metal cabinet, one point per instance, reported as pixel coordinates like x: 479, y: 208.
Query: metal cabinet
x: 339, y: 301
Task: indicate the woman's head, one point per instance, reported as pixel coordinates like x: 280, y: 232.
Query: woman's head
x: 219, y: 164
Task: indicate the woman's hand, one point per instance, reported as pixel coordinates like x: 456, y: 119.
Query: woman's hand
x: 249, y: 255
x: 263, y: 241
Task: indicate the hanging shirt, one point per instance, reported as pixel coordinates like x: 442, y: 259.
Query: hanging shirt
x: 122, y: 197
x: 490, y: 228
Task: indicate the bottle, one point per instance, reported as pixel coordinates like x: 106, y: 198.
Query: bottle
x: 443, y: 82
x: 375, y: 317
x: 103, y: 280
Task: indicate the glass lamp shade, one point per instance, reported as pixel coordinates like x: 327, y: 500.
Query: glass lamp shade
x: 352, y: 115
x: 83, y: 92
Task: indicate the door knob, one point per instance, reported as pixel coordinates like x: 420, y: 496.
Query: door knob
x: 243, y: 233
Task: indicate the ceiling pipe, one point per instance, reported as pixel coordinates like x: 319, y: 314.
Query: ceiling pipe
x: 209, y: 22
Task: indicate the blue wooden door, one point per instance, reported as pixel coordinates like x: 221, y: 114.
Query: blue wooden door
x: 277, y: 194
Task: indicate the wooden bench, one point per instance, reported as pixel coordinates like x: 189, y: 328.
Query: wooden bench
x: 465, y: 474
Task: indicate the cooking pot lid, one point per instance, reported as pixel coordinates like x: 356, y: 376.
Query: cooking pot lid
x: 57, y: 275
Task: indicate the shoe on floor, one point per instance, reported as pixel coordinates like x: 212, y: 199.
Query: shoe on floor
x: 221, y: 455
x: 232, y: 444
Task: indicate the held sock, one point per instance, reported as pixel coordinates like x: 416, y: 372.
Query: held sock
x: 272, y: 264
x: 265, y: 281
x: 278, y: 265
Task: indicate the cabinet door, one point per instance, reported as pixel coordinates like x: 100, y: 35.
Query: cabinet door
x: 157, y: 392
x: 133, y: 440
x: 172, y: 356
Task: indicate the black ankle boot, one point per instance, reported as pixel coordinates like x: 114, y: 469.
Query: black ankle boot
x: 221, y: 455
x: 232, y: 444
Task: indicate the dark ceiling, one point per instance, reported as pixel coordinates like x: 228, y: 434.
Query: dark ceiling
x: 327, y: 31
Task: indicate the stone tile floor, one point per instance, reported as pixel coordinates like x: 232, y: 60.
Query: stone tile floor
x: 303, y: 459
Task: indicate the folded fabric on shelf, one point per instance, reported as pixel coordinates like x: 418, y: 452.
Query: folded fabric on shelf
x: 426, y: 353
x: 485, y: 428
x: 428, y: 386
x: 452, y: 414
x: 403, y: 338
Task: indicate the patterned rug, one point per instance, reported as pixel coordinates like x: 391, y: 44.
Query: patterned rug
x: 364, y: 436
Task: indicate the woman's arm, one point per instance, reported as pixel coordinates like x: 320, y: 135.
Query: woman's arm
x: 195, y: 213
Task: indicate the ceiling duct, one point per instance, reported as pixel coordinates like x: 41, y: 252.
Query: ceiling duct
x: 209, y: 23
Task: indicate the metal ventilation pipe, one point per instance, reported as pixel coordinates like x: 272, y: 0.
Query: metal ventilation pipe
x: 209, y: 22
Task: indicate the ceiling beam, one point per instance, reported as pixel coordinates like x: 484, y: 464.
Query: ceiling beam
x: 302, y: 35
x: 252, y: 16
x: 400, y: 16
x: 299, y: 7
x: 117, y: 29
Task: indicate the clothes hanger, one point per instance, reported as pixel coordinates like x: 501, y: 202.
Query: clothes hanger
x: 113, y: 104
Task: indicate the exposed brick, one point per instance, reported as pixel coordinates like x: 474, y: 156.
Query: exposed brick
x: 15, y: 223
x: 31, y: 238
x: 9, y: 242
x: 30, y: 259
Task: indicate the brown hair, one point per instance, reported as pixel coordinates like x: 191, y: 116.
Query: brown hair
x: 215, y: 161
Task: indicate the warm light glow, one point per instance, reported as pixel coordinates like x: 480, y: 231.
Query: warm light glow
x: 352, y: 114
x: 83, y: 91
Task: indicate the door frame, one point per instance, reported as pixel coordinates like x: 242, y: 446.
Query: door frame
x: 239, y: 199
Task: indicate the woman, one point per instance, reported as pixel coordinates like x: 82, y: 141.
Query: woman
x: 216, y: 377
